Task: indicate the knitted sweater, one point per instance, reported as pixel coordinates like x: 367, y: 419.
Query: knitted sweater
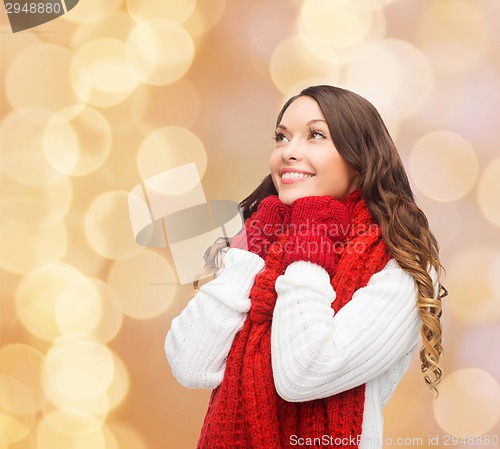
x: 371, y: 340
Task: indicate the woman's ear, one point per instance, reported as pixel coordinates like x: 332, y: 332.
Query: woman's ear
x: 355, y: 182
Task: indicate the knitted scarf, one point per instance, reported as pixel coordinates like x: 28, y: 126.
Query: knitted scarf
x: 245, y: 411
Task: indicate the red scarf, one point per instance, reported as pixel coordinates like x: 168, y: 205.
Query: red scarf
x: 245, y: 411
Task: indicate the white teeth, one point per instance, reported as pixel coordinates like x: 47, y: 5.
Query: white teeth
x: 294, y: 175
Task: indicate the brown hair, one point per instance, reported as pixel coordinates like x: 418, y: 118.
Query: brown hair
x: 362, y: 139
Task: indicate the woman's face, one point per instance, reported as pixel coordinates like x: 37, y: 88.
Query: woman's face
x: 305, y: 161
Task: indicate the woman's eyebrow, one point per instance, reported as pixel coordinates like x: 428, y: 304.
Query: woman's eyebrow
x: 310, y: 122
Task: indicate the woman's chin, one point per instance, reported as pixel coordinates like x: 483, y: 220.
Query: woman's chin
x: 288, y: 197
x: 286, y: 201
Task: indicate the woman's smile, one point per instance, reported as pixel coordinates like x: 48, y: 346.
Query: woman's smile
x: 294, y: 175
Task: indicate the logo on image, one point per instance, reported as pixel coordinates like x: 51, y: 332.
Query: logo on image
x: 28, y: 14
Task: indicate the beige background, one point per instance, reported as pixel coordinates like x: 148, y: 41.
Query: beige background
x: 115, y: 92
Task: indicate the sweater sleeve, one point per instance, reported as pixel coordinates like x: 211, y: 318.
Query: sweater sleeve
x: 316, y: 354
x: 200, y: 338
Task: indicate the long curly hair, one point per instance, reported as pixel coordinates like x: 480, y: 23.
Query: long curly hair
x: 362, y: 139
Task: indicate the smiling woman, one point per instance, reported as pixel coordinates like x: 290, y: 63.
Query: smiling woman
x: 322, y: 298
x: 305, y: 161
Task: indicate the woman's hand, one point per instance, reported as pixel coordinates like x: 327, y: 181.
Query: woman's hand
x: 263, y: 227
x: 318, y: 224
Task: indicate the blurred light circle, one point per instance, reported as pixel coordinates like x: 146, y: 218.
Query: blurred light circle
x: 120, y: 385
x: 79, y: 368
x: 40, y: 65
x: 107, y: 226
x: 474, y: 347
x: 23, y: 249
x: 175, y: 11
x: 32, y: 208
x: 15, y: 398
x: 399, y: 77
x: 444, y: 166
x: 116, y: 25
x: 17, y: 410
x: 472, y: 276
x: 22, y: 157
x: 78, y: 308
x: 92, y: 11
x: 125, y: 436
x: 99, y: 73
x: 37, y: 295
x: 204, y: 17
x: 469, y: 403
x: 159, y: 51
x: 73, y: 422
x: 488, y: 192
x: 97, y: 406
x: 169, y: 147
x: 13, y: 47
x: 47, y: 437
x: 454, y: 34
x: 111, y: 316
x: 348, y: 55
x: 14, y: 428
x: 301, y: 61
x: 24, y: 212
x: 77, y: 142
x: 24, y: 363
x: 145, y: 283
x: 370, y: 5
x: 109, y: 438
x: 336, y: 22
x: 60, y: 144
x: 177, y: 104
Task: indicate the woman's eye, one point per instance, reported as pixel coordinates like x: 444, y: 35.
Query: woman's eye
x: 280, y: 137
x: 317, y: 135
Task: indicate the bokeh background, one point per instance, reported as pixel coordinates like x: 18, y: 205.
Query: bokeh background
x: 117, y: 91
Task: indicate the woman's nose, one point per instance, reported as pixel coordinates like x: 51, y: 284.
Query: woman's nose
x: 292, y: 150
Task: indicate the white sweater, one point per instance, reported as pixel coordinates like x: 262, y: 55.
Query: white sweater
x: 315, y: 354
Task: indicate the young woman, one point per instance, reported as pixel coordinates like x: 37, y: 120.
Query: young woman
x: 322, y: 298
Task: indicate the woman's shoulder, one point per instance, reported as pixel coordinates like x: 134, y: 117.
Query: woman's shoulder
x: 392, y: 269
x: 395, y: 274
